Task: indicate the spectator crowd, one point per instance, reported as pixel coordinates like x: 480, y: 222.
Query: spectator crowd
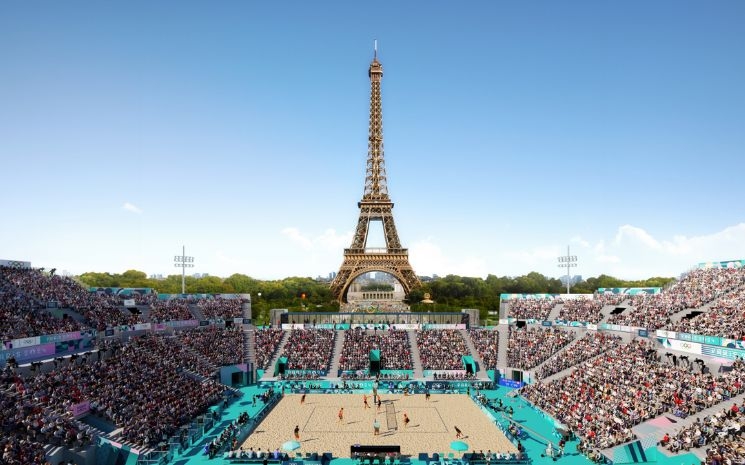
x: 267, y: 342
x: 535, y: 309
x: 487, y: 345
x: 441, y: 349
x: 309, y: 349
x: 395, y: 351
x: 604, y: 397
x: 529, y: 347
x: 590, y: 345
x: 170, y: 310
x: 220, y: 307
x: 696, y: 289
x: 221, y: 346
x: 724, y: 318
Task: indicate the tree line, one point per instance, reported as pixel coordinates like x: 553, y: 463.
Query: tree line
x: 449, y: 293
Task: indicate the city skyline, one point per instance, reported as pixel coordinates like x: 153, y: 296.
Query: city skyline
x: 240, y: 132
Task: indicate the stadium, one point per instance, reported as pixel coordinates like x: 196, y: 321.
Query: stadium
x: 376, y: 365
x: 624, y: 375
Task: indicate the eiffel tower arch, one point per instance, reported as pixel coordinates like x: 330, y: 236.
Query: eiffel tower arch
x: 375, y: 205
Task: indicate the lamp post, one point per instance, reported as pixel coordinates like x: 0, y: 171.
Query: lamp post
x: 568, y: 261
x: 183, y: 262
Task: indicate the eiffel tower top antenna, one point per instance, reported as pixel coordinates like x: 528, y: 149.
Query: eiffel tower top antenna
x: 376, y: 182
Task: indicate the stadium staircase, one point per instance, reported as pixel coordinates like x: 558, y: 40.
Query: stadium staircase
x: 338, y: 346
x: 481, y: 374
x: 197, y: 312
x: 504, y: 336
x: 269, y: 373
x: 416, y: 359
x: 249, y: 345
x: 554, y: 313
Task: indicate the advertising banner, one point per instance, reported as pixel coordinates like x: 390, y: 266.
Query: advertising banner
x: 182, y: 323
x: 61, y: 337
x: 405, y: 326
x: 504, y: 297
x: 443, y: 326
x: 293, y: 326
x: 24, y: 342
x: 723, y: 352
x: 78, y: 410
x: 592, y: 326
x: 25, y: 354
x: 665, y: 333
x: 725, y: 264
x: 15, y: 264
x: 510, y: 383
x: 629, y: 290
x: 683, y: 346
x: 129, y: 303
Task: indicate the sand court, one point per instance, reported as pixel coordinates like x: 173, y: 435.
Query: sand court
x: 431, y: 427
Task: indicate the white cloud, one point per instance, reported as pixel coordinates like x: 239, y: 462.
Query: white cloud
x: 329, y: 240
x: 427, y: 258
x: 632, y: 252
x: 132, y: 208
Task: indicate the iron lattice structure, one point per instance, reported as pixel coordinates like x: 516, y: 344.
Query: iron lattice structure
x: 375, y: 205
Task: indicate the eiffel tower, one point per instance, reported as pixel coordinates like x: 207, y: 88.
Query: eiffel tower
x: 375, y: 206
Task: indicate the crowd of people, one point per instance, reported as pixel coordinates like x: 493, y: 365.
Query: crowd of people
x: 604, y: 397
x: 99, y: 310
x: 725, y: 318
x: 696, y: 289
x: 221, y: 346
x: 309, y: 349
x: 590, y: 345
x: 487, y: 345
x: 394, y: 346
x: 719, y: 432
x: 587, y: 310
x: 528, y: 347
x: 531, y: 309
x: 441, y: 349
x: 267, y: 342
x: 22, y: 317
x: 170, y: 310
x: 26, y: 426
x: 139, y: 388
x: 220, y: 307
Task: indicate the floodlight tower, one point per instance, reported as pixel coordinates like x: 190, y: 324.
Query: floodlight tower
x: 568, y: 261
x: 183, y: 262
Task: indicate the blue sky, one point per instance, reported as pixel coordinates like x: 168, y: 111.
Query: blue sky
x: 239, y: 129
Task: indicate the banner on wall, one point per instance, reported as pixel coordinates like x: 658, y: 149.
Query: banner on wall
x: 293, y: 326
x: 665, y: 333
x: 629, y: 290
x: 25, y: 354
x: 723, y: 352
x: 405, y: 326
x: 592, y: 326
x: 724, y: 264
x: 78, y: 410
x: 15, y: 264
x: 683, y: 346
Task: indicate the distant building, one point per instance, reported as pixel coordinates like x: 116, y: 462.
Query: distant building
x: 572, y: 279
